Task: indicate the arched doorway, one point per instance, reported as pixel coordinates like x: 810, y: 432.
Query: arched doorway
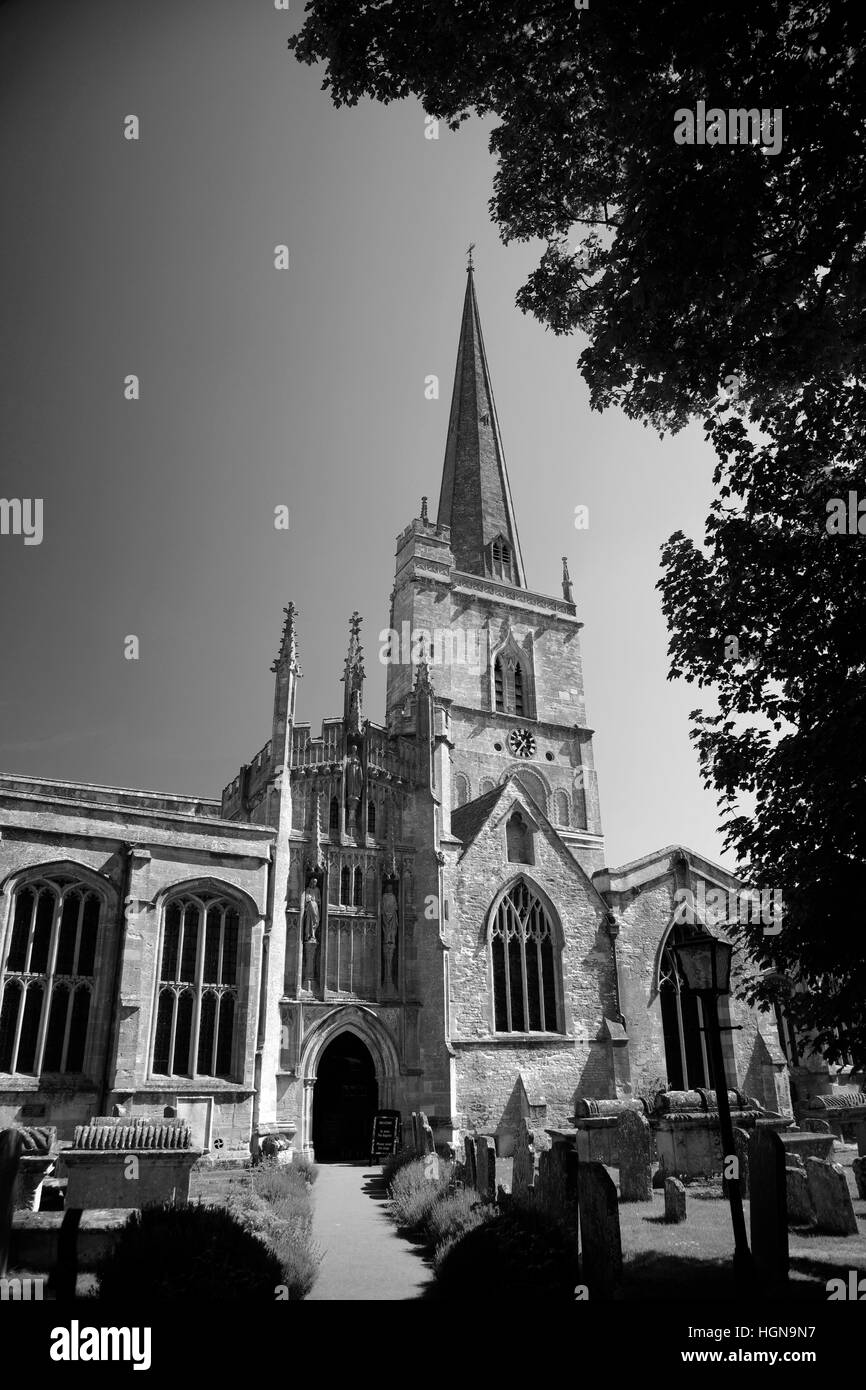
x: 345, y: 1098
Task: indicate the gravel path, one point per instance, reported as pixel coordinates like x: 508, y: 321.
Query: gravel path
x: 365, y: 1258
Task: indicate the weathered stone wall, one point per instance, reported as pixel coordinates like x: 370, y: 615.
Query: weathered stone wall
x: 576, y: 1062
x: 138, y: 848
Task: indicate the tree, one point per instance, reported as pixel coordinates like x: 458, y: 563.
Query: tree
x: 719, y: 281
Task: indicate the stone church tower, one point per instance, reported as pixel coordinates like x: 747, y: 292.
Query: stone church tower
x: 413, y: 914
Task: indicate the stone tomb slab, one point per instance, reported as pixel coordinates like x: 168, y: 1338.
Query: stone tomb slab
x: 828, y: 1188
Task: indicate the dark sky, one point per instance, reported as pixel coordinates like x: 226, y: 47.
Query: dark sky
x: 261, y: 387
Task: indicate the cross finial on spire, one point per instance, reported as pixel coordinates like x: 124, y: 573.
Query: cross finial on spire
x: 470, y: 265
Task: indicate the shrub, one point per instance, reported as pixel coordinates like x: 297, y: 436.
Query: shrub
x: 454, y: 1215
x: 412, y: 1196
x: 302, y: 1164
x: 188, y: 1251
x: 276, y: 1208
x: 392, y: 1165
x: 520, y: 1252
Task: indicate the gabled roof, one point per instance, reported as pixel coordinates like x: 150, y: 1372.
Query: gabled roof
x: 467, y: 820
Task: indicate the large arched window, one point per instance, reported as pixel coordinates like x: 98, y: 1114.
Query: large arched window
x: 198, y: 987
x: 48, y: 980
x: 560, y: 808
x: 524, y: 960
x: 686, y: 1053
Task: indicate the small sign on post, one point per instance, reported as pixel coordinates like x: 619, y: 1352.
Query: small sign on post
x: 387, y: 1135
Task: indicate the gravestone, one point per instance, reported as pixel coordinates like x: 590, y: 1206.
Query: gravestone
x: 552, y: 1183
x: 416, y: 1133
x: 471, y: 1170
x: 675, y: 1201
x: 860, y: 1133
x: 431, y: 1167
x: 801, y: 1209
x: 425, y: 1135
x: 768, y: 1208
x: 523, y: 1163
x: 10, y: 1151
x: 859, y: 1169
x: 635, y: 1157
x: 601, y: 1246
x: 817, y: 1126
x: 828, y: 1188
x: 485, y: 1167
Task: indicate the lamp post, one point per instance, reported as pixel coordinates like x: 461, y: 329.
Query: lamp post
x: 705, y: 965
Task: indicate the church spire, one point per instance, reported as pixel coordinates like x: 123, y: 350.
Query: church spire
x: 475, y: 500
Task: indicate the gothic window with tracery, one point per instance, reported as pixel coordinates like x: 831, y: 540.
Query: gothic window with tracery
x: 334, y: 819
x: 371, y: 817
x: 198, y: 990
x: 524, y: 961
x: 346, y: 886
x: 358, y: 890
x: 48, y: 980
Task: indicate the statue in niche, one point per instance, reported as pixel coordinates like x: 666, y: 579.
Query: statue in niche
x: 354, y: 784
x: 312, y: 911
x: 390, y: 926
x: 311, y: 917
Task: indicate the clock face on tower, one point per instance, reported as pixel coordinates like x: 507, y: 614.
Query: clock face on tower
x: 522, y: 743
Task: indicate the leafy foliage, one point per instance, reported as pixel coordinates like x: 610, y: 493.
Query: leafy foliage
x: 686, y: 267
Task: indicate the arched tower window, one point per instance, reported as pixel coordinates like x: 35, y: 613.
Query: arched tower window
x: 500, y: 560
x: 371, y: 817
x: 461, y: 789
x: 511, y: 683
x: 524, y: 963
x: 686, y: 1053
x: 198, y: 990
x: 334, y: 818
x: 345, y: 886
x: 560, y: 808
x: 48, y: 980
x: 358, y: 890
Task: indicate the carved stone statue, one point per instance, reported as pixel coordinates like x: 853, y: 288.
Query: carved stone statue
x: 354, y: 784
x: 312, y: 912
x: 390, y: 925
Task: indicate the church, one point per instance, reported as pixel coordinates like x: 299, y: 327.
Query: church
x: 412, y: 914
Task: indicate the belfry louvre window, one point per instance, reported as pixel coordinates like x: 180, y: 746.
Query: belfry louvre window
x: 508, y: 685
x: 48, y: 980
x: 198, y: 991
x: 500, y: 561
x: 524, y: 964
